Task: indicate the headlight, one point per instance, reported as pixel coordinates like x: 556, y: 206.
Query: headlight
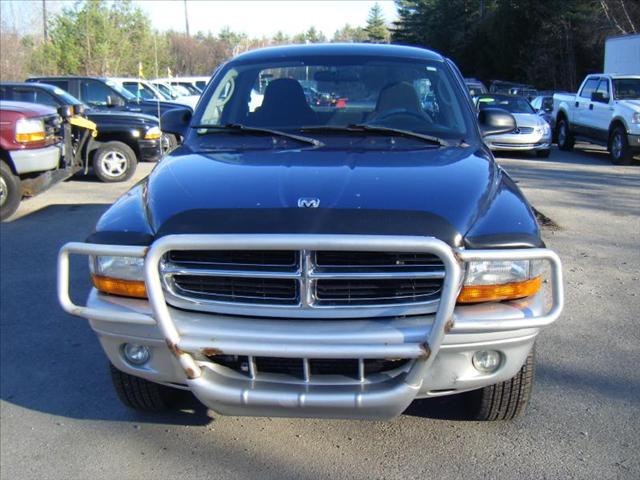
x: 118, y: 275
x: 30, y: 130
x: 153, y: 133
x: 496, y: 280
x: 543, y: 129
x: 635, y: 118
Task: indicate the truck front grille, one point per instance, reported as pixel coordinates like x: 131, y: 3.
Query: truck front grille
x: 302, y: 282
x: 307, y: 369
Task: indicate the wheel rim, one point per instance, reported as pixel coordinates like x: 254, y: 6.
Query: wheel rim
x: 616, y: 145
x: 113, y: 164
x: 165, y: 143
x: 562, y: 133
x: 4, y: 191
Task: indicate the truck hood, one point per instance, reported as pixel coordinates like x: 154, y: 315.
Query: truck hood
x: 633, y: 105
x: 448, y: 193
x: 28, y: 109
x: 121, y: 117
x: 528, y: 119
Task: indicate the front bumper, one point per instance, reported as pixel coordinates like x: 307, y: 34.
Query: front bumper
x: 634, y: 141
x: 36, y: 159
x: 519, y: 142
x: 150, y: 150
x: 438, y: 346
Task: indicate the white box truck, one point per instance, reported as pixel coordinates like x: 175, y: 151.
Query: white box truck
x: 622, y: 55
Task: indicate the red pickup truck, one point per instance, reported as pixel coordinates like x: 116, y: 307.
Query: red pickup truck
x: 36, y: 151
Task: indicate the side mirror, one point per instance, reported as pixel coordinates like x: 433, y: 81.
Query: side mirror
x: 494, y: 121
x: 176, y: 121
x: 599, y: 97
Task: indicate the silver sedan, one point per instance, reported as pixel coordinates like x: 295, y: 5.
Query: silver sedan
x: 532, y: 132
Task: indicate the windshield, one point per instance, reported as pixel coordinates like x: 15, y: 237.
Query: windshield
x: 140, y: 90
x: 122, y: 91
x: 626, y: 88
x: 66, y: 97
x: 414, y: 95
x: 507, y: 102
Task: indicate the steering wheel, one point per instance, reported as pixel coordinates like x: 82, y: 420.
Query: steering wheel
x: 401, y: 112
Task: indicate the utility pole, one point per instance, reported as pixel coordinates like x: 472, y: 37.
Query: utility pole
x: 481, y: 9
x: 186, y: 18
x: 44, y: 21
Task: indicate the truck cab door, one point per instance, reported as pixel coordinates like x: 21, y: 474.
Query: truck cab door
x: 581, y: 114
x: 601, y: 109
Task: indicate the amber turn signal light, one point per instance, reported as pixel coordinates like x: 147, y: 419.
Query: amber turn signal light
x: 496, y: 293
x: 30, y: 137
x: 116, y: 286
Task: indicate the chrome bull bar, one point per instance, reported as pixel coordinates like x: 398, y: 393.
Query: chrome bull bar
x: 366, y: 400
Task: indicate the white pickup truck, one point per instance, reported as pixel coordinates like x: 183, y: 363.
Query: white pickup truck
x: 605, y: 111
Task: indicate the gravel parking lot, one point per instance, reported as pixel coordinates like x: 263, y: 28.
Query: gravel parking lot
x: 61, y: 419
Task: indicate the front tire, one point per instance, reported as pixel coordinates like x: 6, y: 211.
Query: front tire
x: 504, y: 400
x: 565, y: 137
x: 114, y: 162
x: 543, y: 153
x: 141, y: 394
x: 619, y: 147
x: 10, y: 192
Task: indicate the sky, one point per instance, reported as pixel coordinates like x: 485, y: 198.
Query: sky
x: 259, y: 18
x: 256, y: 18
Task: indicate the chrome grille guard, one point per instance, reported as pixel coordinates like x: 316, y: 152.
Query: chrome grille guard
x: 384, y: 399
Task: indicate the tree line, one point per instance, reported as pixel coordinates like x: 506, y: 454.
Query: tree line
x: 551, y: 44
x: 99, y: 37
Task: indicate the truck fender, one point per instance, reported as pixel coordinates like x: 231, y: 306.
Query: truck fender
x: 5, y: 157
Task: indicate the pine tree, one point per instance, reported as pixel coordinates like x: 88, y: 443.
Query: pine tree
x: 376, y: 28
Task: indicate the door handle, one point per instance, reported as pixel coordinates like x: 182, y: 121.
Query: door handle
x: 591, y: 107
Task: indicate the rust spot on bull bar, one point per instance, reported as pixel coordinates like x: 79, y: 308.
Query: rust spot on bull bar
x: 174, y: 348
x: 211, y: 352
x: 190, y: 373
x: 448, y: 326
x: 426, y: 351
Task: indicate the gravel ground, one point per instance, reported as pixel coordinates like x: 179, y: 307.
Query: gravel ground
x: 61, y: 420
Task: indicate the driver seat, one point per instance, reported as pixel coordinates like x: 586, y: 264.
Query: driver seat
x: 398, y: 97
x: 284, y: 104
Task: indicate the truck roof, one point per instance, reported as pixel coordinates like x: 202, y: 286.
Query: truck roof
x: 613, y: 75
x: 343, y: 49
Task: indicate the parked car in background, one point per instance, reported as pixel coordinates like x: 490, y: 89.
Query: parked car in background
x: 104, y: 94
x: 513, y: 88
x: 532, y: 132
x: 475, y: 87
x: 123, y: 139
x: 605, y: 111
x: 144, y: 90
x: 338, y: 263
x: 190, y: 83
x: 37, y: 150
x: 543, y: 104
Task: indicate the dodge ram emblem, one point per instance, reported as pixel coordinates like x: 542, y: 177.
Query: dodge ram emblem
x: 308, y: 202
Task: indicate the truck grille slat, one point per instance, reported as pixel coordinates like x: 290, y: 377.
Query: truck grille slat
x: 294, y: 367
x: 303, y: 281
x: 239, y: 289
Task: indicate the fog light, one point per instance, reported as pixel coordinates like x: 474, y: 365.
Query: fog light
x: 136, y: 354
x: 486, y: 361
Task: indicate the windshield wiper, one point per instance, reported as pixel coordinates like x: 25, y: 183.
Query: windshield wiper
x: 362, y: 127
x: 237, y: 127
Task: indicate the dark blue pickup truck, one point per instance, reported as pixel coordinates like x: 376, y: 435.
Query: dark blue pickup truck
x: 340, y: 259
